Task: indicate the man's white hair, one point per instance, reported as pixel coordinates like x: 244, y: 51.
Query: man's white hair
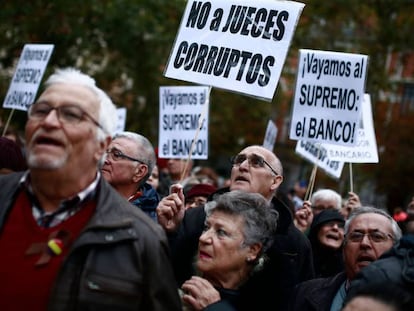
x: 107, y: 110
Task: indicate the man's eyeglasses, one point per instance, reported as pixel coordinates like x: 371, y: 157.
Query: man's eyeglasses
x: 117, y: 155
x: 253, y: 159
x: 67, y: 114
x: 374, y: 236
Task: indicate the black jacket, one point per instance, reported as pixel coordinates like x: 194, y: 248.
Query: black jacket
x: 395, y: 266
x: 290, y: 259
x: 316, y: 294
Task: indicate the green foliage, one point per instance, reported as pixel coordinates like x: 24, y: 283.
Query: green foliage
x: 125, y: 45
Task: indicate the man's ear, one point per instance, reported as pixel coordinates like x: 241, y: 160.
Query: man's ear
x: 277, y: 181
x: 140, y: 171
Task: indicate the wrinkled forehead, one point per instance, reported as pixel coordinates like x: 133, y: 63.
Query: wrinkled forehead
x: 266, y: 154
x: 70, y: 93
x: 371, y: 222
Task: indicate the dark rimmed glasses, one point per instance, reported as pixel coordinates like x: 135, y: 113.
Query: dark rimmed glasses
x: 254, y: 160
x: 373, y: 236
x: 117, y: 155
x: 67, y: 114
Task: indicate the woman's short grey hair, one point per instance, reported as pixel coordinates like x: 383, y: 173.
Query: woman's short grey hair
x: 107, y: 111
x: 144, y: 150
x: 396, y: 230
x: 327, y: 194
x: 260, y: 219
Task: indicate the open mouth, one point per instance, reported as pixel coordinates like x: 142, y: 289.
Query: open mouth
x: 241, y: 178
x: 203, y: 255
x: 333, y: 237
x: 365, y: 259
x: 44, y: 140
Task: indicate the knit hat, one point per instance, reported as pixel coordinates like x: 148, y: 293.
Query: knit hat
x: 11, y: 155
x: 200, y: 190
x: 325, y: 216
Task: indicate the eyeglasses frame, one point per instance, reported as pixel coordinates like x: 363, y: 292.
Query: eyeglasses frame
x: 247, y: 158
x: 84, y: 113
x: 124, y: 156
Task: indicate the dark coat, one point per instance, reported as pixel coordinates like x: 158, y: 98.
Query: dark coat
x: 395, y: 266
x: 290, y: 259
x: 316, y: 294
x: 120, y: 261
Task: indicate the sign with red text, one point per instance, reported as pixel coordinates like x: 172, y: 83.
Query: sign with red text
x: 183, y: 124
x: 329, y: 92
x: 28, y: 75
x: 234, y: 45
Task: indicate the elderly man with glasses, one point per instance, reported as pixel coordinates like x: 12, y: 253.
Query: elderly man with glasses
x: 68, y: 240
x: 256, y: 170
x: 129, y: 161
x: 369, y: 232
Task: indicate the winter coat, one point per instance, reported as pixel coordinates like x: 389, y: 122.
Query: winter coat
x: 316, y: 294
x: 290, y: 259
x: 148, y: 201
x: 395, y: 266
x: 120, y: 261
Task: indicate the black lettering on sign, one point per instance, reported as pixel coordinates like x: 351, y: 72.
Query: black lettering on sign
x: 224, y: 61
x: 325, y: 129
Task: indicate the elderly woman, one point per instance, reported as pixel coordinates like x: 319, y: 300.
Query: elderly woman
x: 326, y: 235
x: 239, y: 229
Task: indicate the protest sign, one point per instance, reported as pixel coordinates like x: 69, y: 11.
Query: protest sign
x: 234, y: 46
x: 270, y: 136
x: 318, y: 155
x: 365, y: 150
x: 183, y: 123
x: 328, y: 95
x: 120, y: 124
x: 28, y: 75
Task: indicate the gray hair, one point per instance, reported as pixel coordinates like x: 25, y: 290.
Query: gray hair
x: 327, y: 194
x: 396, y: 230
x: 260, y: 219
x: 107, y: 110
x: 144, y: 150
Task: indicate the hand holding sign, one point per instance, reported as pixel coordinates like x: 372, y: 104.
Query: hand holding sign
x: 170, y: 210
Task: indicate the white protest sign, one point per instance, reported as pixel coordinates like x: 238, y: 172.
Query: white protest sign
x: 270, y: 136
x: 182, y: 108
x: 327, y: 102
x: 318, y: 155
x: 120, y: 124
x: 234, y: 46
x: 28, y: 75
x: 365, y: 150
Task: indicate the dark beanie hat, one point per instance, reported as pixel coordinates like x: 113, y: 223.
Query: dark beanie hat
x: 324, y: 217
x: 200, y: 190
x: 11, y: 155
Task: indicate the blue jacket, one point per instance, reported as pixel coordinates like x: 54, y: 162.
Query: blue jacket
x: 148, y: 201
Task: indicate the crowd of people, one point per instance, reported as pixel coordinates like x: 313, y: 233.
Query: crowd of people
x: 90, y: 219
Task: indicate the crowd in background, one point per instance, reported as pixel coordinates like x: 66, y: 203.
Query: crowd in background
x: 223, y: 244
